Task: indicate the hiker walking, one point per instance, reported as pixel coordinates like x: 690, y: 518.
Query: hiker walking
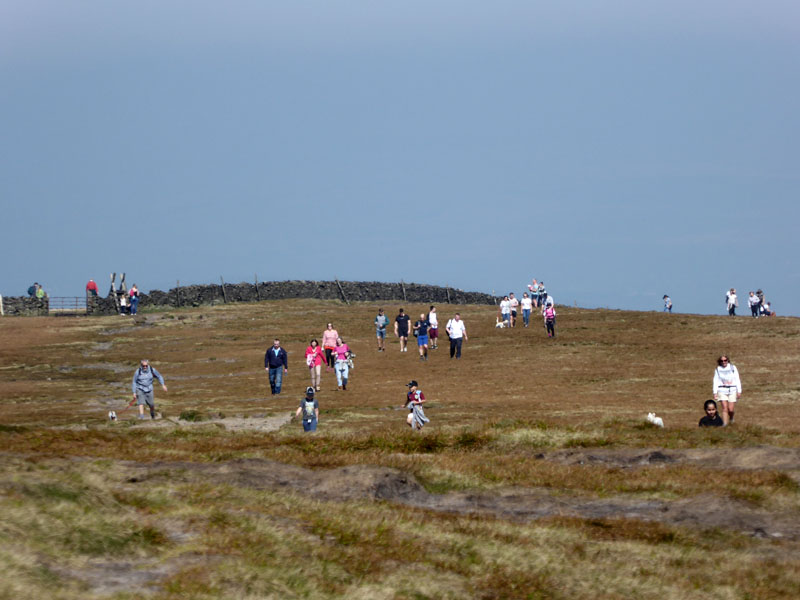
x: 421, y: 332
x: 433, y: 331
x: 667, y: 304
x: 414, y: 400
x: 343, y: 354
x: 514, y: 303
x: 731, y: 301
x: 134, y: 299
x: 314, y: 359
x: 329, y: 343
x: 533, y: 288
x: 504, y: 311
x: 753, y: 302
x: 457, y: 331
x: 401, y: 322
x: 276, y: 363
x: 549, y: 315
x: 727, y: 387
x: 309, y: 408
x: 143, y: 387
x: 527, y: 304
x: 381, y: 321
x: 542, y: 293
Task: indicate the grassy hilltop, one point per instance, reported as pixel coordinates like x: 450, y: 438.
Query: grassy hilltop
x: 537, y: 477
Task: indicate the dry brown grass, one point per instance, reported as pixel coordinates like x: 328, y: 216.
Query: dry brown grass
x: 500, y: 418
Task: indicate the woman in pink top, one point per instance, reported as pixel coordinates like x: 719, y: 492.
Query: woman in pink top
x: 329, y: 343
x: 342, y: 352
x: 314, y: 358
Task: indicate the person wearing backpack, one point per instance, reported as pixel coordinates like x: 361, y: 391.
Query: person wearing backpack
x: 549, y: 314
x: 143, y: 387
x: 309, y: 409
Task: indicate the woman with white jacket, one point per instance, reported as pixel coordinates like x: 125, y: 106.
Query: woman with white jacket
x: 727, y: 387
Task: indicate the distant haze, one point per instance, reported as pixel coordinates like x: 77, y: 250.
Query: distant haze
x: 617, y: 150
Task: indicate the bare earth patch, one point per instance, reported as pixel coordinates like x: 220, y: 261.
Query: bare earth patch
x: 705, y: 511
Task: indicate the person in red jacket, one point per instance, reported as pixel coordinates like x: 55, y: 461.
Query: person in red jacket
x: 91, y: 288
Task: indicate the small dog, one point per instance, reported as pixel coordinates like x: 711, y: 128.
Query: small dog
x: 500, y: 323
x: 657, y: 421
x: 112, y: 416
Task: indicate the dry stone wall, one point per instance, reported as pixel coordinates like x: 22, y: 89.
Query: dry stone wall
x: 353, y: 291
x: 25, y: 306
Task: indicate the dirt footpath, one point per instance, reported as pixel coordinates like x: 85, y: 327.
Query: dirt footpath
x: 705, y: 511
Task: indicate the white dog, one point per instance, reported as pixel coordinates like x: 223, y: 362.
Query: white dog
x: 657, y: 421
x: 500, y: 323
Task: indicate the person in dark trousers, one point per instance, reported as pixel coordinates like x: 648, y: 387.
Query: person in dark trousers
x: 309, y: 408
x: 401, y: 322
x: 143, y: 387
x: 276, y: 363
x: 712, y: 419
x: 549, y: 314
x: 457, y: 331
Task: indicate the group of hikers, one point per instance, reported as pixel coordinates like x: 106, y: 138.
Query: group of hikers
x: 759, y: 307
x: 726, y: 386
x: 425, y: 330
x: 535, y: 297
x: 336, y: 355
x: 127, y: 301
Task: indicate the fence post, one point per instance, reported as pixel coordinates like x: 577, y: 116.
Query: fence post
x: 258, y: 294
x: 178, y: 292
x: 2, y: 312
x: 403, y: 287
x: 447, y: 287
x: 224, y: 295
x: 342, y: 291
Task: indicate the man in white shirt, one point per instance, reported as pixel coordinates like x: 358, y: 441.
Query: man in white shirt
x: 457, y: 332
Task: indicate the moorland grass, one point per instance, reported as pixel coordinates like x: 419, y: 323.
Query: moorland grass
x: 498, y: 415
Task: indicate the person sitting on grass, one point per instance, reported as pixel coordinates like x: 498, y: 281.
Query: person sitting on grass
x: 712, y: 419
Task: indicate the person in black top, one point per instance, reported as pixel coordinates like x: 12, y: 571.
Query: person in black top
x: 401, y: 329
x: 712, y: 419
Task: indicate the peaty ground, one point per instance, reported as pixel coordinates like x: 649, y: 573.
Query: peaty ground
x: 537, y: 476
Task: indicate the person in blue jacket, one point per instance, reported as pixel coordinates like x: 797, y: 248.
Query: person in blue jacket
x: 276, y: 363
x: 143, y: 387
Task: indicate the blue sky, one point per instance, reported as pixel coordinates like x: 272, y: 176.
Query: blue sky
x: 617, y: 150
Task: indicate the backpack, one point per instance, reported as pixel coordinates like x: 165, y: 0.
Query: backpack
x: 31, y: 291
x: 308, y: 409
x: 549, y: 313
